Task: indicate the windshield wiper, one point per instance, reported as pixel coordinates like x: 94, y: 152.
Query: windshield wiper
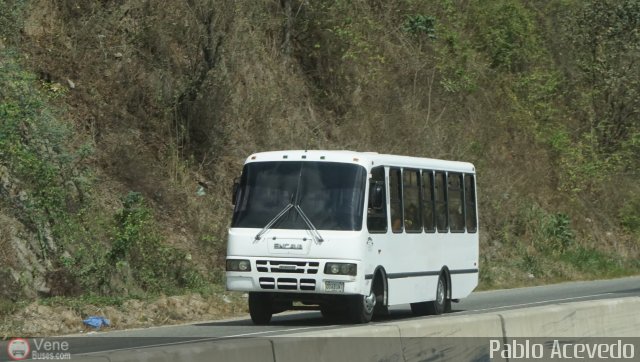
x: 273, y: 221
x: 296, y: 205
x: 314, y: 232
x: 316, y: 235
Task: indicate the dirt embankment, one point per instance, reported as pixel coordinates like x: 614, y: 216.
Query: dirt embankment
x: 37, y: 319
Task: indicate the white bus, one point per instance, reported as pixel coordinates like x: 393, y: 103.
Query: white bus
x: 352, y: 233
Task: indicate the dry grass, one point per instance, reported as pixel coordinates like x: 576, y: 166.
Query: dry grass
x: 7, y: 253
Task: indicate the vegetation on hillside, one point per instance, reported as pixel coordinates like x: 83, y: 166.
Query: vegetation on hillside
x: 124, y: 122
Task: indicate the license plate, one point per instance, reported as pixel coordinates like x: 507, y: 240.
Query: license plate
x: 333, y: 286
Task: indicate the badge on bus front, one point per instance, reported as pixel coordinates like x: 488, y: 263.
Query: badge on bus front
x: 289, y: 246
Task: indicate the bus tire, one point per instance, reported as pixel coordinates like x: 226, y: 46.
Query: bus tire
x: 439, y: 305
x: 361, y: 307
x: 260, y: 308
x: 380, y: 290
x: 332, y: 313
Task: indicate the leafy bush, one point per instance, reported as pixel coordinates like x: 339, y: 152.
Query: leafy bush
x: 43, y: 170
x: 550, y: 233
x: 420, y: 25
x: 506, y: 33
x: 558, y: 234
x: 138, y: 249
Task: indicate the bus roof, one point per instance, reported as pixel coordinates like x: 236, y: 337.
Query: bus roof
x: 366, y: 159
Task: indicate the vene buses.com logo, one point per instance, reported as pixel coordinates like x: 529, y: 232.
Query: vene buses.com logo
x: 18, y: 349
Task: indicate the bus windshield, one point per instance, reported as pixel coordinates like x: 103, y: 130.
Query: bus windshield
x: 330, y: 194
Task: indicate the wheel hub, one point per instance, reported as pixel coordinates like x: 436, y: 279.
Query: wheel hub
x: 370, y: 302
x: 440, y: 292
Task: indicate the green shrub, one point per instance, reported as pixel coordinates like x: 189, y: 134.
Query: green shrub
x: 34, y: 148
x: 507, y: 34
x: 138, y: 250
x: 420, y: 25
x: 549, y: 233
x: 559, y: 236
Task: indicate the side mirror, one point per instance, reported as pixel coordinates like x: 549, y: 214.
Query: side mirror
x: 234, y: 191
x: 376, y: 194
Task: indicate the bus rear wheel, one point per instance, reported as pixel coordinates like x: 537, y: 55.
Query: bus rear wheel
x: 260, y: 308
x: 437, y: 306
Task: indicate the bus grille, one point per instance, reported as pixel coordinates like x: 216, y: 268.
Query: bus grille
x: 287, y: 283
x: 288, y: 266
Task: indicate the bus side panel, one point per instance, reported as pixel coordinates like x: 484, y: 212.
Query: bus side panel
x: 413, y: 262
x: 463, y: 284
x: 461, y: 252
x: 412, y: 289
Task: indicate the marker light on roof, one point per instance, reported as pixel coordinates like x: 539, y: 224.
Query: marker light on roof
x: 285, y: 157
x: 355, y: 159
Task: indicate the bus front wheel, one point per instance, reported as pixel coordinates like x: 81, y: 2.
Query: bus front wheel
x: 361, y: 307
x: 260, y: 308
x: 332, y: 313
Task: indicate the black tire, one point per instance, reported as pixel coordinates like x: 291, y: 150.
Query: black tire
x: 260, y: 308
x: 440, y: 305
x: 381, y: 309
x: 332, y: 313
x: 360, y: 307
x: 447, y: 303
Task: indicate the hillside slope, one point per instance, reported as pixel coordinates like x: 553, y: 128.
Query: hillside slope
x: 124, y: 122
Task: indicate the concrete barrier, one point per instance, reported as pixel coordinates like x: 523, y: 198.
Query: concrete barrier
x: 361, y: 343
x: 410, y: 340
x: 475, y: 325
x: 596, y: 318
x: 259, y: 350
x: 431, y: 339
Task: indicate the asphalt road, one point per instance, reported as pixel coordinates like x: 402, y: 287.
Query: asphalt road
x: 292, y: 322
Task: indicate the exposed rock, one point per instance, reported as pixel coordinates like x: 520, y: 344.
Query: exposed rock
x: 9, y: 287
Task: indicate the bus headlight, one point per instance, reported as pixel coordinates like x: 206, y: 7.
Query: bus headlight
x: 238, y: 265
x: 340, y: 268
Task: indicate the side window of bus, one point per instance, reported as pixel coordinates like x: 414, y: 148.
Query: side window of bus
x: 411, y: 200
x: 377, y: 216
x: 441, y: 203
x: 395, y: 193
x: 470, y: 203
x: 454, y: 196
x: 428, y: 206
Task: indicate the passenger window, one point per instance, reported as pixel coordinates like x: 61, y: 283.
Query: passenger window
x: 441, y: 203
x: 454, y: 196
x: 377, y: 217
x: 470, y: 203
x: 395, y: 193
x: 411, y: 200
x: 428, y: 206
